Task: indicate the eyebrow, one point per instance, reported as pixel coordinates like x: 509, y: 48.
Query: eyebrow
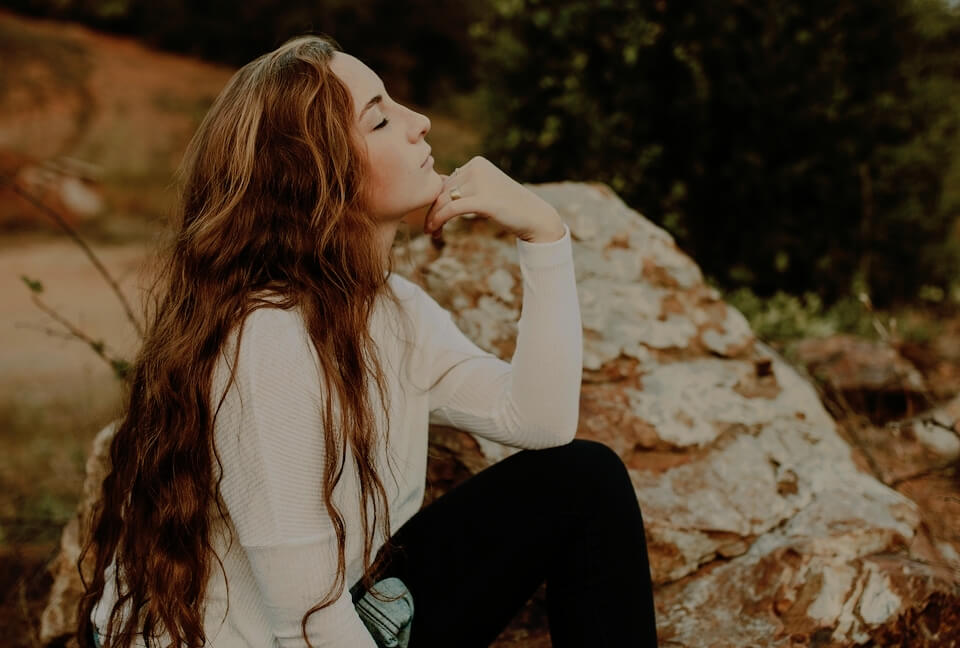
x: 370, y: 104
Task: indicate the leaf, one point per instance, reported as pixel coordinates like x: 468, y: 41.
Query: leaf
x: 120, y: 367
x: 33, y: 284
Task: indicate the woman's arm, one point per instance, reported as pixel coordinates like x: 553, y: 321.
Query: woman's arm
x: 533, y: 401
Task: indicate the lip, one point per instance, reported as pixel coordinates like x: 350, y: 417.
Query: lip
x: 427, y: 159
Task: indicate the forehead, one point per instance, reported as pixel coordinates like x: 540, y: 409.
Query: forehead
x: 362, y: 82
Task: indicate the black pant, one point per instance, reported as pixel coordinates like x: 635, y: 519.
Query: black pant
x: 567, y: 516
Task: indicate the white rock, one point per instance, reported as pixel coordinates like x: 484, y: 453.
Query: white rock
x: 878, y: 602
x: 942, y: 441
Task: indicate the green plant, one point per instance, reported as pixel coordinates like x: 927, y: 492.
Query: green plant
x: 788, y: 146
x: 783, y: 317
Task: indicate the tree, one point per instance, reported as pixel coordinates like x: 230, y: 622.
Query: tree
x: 795, y: 146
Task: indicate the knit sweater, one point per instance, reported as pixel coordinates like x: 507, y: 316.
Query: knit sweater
x: 268, y: 434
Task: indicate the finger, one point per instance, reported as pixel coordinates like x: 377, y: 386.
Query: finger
x: 466, y: 205
x: 461, y: 173
x: 452, y: 182
x: 464, y: 188
x: 443, y: 197
x: 443, y: 200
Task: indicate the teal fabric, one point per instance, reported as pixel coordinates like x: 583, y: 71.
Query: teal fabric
x: 388, y: 621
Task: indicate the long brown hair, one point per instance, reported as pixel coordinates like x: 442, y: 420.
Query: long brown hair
x: 273, y: 199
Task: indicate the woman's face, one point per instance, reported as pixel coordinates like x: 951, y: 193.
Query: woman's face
x: 402, y: 178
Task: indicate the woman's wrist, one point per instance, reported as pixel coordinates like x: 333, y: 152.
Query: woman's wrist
x: 549, y: 229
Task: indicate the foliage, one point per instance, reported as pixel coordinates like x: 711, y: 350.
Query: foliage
x: 783, y: 317
x: 788, y: 146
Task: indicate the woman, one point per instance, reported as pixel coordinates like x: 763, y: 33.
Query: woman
x: 273, y: 449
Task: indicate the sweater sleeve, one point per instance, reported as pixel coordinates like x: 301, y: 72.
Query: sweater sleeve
x: 271, y: 449
x: 534, y: 401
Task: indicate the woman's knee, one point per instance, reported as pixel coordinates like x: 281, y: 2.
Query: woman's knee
x: 597, y: 453
x: 588, y: 465
x: 593, y: 456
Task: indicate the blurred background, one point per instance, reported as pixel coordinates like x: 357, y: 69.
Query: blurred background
x: 805, y: 154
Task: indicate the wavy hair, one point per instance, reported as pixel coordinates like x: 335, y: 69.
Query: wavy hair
x: 273, y: 201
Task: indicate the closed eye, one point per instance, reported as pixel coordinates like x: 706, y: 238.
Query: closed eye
x: 381, y: 124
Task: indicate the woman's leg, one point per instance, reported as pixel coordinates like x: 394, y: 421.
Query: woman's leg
x: 567, y: 516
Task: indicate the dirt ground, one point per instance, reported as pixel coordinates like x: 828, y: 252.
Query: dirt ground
x: 36, y: 366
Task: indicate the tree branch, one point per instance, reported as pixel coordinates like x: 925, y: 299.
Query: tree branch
x: 117, y: 364
x: 61, y: 222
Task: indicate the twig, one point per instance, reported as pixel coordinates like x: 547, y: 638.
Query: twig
x: 44, y: 329
x: 58, y: 218
x: 117, y: 364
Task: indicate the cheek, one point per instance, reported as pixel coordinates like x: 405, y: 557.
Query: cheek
x: 386, y: 170
x: 395, y: 185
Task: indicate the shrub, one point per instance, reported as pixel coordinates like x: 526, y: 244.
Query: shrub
x: 788, y: 146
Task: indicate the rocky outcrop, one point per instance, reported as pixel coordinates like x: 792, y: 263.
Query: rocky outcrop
x: 865, y: 376
x: 762, y: 527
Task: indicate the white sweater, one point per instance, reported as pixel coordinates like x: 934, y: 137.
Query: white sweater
x: 269, y: 437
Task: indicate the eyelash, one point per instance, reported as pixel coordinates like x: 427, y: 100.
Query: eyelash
x: 382, y: 124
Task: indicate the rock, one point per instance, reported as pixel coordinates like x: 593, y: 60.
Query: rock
x: 762, y: 529
x: 58, y: 621
x: 871, y: 378
x: 937, y: 494
x: 849, y: 363
x: 902, y: 450
x: 919, y: 458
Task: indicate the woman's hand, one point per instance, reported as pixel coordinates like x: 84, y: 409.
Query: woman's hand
x: 480, y: 188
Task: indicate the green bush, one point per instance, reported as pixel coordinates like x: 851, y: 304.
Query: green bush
x: 788, y: 146
x: 782, y: 317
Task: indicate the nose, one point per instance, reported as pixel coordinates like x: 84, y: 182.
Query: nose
x: 420, y: 125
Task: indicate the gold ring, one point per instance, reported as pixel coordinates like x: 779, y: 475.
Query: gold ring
x: 455, y: 193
